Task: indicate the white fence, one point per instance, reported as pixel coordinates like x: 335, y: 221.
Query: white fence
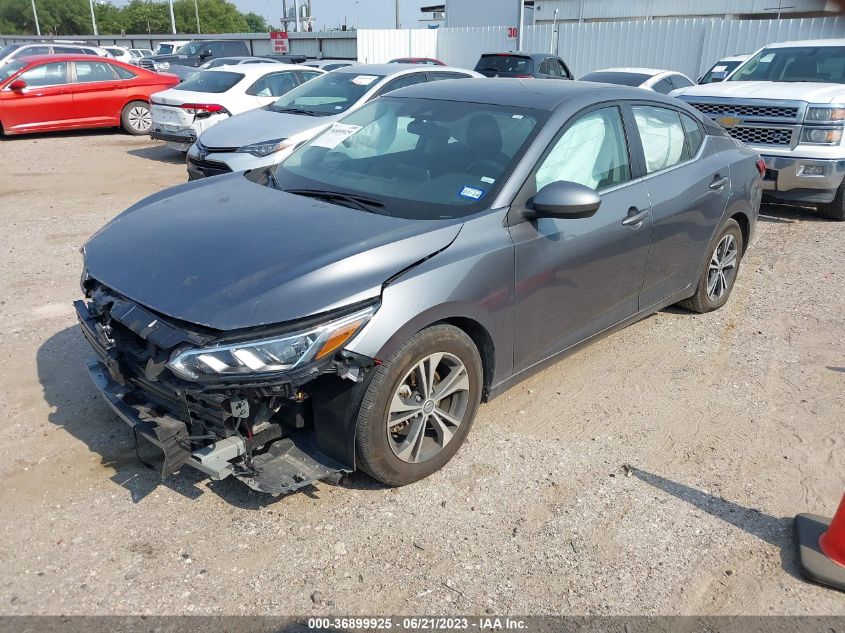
x: 686, y: 45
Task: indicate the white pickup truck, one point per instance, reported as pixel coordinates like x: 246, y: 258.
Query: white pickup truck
x: 787, y: 102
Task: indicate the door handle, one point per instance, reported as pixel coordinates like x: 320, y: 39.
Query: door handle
x: 718, y: 182
x: 635, y: 216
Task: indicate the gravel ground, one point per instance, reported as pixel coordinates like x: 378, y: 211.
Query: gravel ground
x: 655, y: 472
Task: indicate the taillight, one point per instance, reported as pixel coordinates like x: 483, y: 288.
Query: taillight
x: 761, y: 167
x: 202, y: 108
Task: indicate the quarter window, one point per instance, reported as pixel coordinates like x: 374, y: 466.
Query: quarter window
x: 694, y: 135
x: 663, y: 86
x: 53, y: 74
x: 89, y: 72
x: 591, y: 152
x: 123, y: 73
x: 662, y: 136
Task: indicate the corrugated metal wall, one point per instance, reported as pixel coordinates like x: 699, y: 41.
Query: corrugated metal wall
x: 686, y: 45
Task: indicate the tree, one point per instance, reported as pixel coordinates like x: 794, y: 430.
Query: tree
x: 256, y: 23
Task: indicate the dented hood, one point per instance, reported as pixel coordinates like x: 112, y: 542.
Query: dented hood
x: 228, y: 253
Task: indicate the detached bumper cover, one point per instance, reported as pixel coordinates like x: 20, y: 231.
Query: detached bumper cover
x: 188, y: 137
x: 803, y: 179
x: 163, y: 442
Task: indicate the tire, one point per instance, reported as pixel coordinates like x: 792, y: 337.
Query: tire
x: 394, y: 458
x: 717, y: 279
x: 835, y: 210
x: 136, y: 118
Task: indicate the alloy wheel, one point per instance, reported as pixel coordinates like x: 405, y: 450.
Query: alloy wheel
x: 722, y: 269
x: 140, y: 118
x: 427, y: 407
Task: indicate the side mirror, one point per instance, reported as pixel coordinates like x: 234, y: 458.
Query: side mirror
x: 564, y: 199
x: 206, y: 52
x: 17, y: 85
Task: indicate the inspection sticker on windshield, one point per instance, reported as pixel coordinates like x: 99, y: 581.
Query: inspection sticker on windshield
x: 472, y: 192
x: 364, y: 80
x: 488, y: 180
x: 335, y: 135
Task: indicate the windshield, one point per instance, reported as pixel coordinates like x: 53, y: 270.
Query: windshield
x: 719, y: 71
x: 621, y: 79
x: 505, y: 64
x: 220, y: 61
x: 332, y: 93
x: 7, y: 70
x: 821, y: 64
x: 216, y: 81
x: 164, y: 49
x: 193, y: 48
x: 416, y: 158
x: 7, y: 50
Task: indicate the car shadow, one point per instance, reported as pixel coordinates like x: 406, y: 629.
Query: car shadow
x: 789, y: 213
x: 776, y: 531
x: 159, y: 153
x: 100, y: 131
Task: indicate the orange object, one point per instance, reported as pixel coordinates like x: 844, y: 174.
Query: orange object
x: 832, y: 542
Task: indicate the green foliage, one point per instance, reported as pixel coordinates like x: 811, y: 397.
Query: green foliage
x: 73, y: 17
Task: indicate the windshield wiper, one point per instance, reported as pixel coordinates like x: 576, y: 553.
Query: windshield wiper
x: 297, y: 111
x: 362, y: 203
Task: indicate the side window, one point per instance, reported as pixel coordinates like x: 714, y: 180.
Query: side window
x: 32, y: 50
x: 663, y: 86
x: 592, y: 152
x: 401, y: 82
x: 662, y: 136
x: 89, y: 72
x: 67, y: 50
x: 274, y: 85
x: 216, y: 49
x: 439, y: 76
x: 554, y: 69
x: 233, y: 48
x: 52, y: 74
x: 679, y: 82
x: 544, y: 67
x: 305, y: 75
x: 564, y: 70
x: 695, y: 137
x: 123, y: 73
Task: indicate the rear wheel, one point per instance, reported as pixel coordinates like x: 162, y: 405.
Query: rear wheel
x: 419, y: 407
x: 717, y: 280
x: 136, y: 118
x: 835, y: 210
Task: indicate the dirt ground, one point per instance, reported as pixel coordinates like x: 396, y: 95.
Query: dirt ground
x: 731, y: 423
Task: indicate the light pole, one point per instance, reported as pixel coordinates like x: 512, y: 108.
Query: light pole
x: 35, y: 15
x: 356, y: 15
x: 93, y: 21
x: 172, y: 19
x: 397, y: 14
x: 519, y: 25
x: 197, y: 14
x: 552, y: 37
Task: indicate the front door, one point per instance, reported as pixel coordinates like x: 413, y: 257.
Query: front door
x: 577, y: 277
x: 98, y: 93
x: 43, y: 104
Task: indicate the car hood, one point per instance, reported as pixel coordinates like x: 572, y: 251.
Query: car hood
x: 185, y: 60
x: 228, y: 253
x: 800, y: 91
x: 259, y: 125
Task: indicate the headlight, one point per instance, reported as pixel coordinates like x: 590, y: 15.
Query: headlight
x: 821, y: 136
x: 269, y: 355
x: 161, y: 65
x: 265, y: 148
x: 825, y: 113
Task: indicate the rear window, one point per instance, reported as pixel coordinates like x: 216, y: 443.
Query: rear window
x: 505, y: 64
x: 620, y: 79
x: 214, y: 81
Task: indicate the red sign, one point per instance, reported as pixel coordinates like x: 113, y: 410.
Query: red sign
x: 513, y: 32
x: 280, y: 41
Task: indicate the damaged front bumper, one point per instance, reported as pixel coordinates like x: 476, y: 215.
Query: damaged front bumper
x: 274, y: 436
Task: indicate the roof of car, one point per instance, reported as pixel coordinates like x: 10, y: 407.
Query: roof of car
x: 257, y: 70
x: 520, y: 54
x: 71, y: 57
x: 532, y: 93
x: 392, y: 69
x: 639, y: 71
x: 796, y: 43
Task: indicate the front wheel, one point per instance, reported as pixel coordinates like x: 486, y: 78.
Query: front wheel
x: 136, y: 118
x: 420, y: 406
x: 717, y: 280
x: 835, y: 210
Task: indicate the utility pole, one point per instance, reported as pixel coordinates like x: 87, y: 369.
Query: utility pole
x: 296, y: 10
x: 356, y: 15
x: 93, y: 21
x: 172, y: 19
x: 35, y: 15
x: 197, y: 14
x: 519, y: 26
x: 397, y: 14
x: 552, y: 38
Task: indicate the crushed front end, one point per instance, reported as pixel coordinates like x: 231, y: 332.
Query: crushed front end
x: 276, y: 427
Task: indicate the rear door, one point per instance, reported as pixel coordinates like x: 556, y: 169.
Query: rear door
x: 44, y: 103
x: 688, y: 185
x: 577, y: 277
x: 98, y: 93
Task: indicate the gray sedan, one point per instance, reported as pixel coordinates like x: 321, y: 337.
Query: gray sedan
x: 353, y: 306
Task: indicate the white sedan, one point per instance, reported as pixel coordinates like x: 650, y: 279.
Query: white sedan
x: 183, y: 112
x: 662, y: 81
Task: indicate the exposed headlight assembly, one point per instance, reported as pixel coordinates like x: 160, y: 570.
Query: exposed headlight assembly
x: 265, y: 148
x: 270, y: 355
x: 820, y: 114
x: 161, y: 65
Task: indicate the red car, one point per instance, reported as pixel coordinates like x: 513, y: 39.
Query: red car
x: 429, y: 61
x: 44, y: 93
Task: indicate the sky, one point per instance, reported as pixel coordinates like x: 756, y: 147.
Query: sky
x: 373, y: 14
